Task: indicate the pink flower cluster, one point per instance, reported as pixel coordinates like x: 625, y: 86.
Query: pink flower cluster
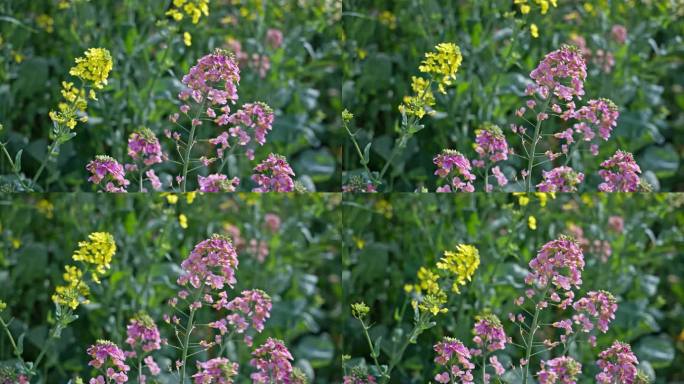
x: 600, y: 305
x: 217, y: 69
x: 603, y: 113
x: 618, y: 365
x: 453, y: 164
x: 104, y: 353
x: 144, y: 145
x: 143, y: 332
x: 560, y: 179
x: 252, y: 307
x: 105, y: 168
x: 273, y: 363
x: 561, y: 370
x: 359, y: 375
x: 620, y: 173
x: 273, y: 174
x: 252, y: 116
x: 556, y: 68
x: 217, y: 183
x: 455, y: 357
x: 489, y: 335
x: 215, y: 371
x: 491, y: 143
x: 212, y: 263
x: 559, y: 262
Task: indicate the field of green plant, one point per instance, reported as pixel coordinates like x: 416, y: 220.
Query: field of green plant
x: 77, y: 269
x: 471, y: 270
x: 425, y: 76
x: 282, y: 53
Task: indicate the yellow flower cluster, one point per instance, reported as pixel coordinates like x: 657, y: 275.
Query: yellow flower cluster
x: 458, y: 266
x: 359, y: 310
x: 94, y: 68
x: 192, y: 8
x: 96, y: 256
x: 442, y: 66
x: 524, y: 198
x: 388, y: 19
x: 462, y: 264
x: 46, y: 22
x: 525, y: 6
x: 98, y: 252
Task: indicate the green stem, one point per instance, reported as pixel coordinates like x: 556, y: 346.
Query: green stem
x: 363, y: 160
x: 14, y: 167
x: 401, y: 144
x: 396, y: 358
x: 186, y: 343
x: 51, y: 149
x: 5, y: 326
x: 528, y: 353
x: 370, y: 345
x: 484, y: 367
x: 533, y: 148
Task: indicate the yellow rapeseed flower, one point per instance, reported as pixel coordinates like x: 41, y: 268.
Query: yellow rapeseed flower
x: 359, y: 310
x: 94, y: 67
x: 75, y: 292
x: 534, y: 31
x: 183, y: 221
x: 192, y: 8
x: 462, y: 264
x: 98, y: 251
x: 532, y: 223
x: 442, y: 64
x: 422, y: 99
x: 187, y: 38
x: 190, y: 197
x: 46, y: 208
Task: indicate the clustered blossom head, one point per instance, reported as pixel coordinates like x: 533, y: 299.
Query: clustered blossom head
x: 559, y: 262
x: 489, y: 334
x: 620, y: 173
x: 600, y: 305
x: 490, y: 142
x: 103, y: 353
x: 442, y: 64
x: 217, y: 183
x: 143, y: 332
x: 618, y: 365
x: 273, y: 174
x: 274, y: 37
x: 94, y: 67
x: 359, y: 375
x: 561, y: 179
x: 561, y: 370
x: 252, y: 306
x: 558, y: 66
x: 212, y: 263
x: 460, y: 264
x: 254, y: 116
x: 144, y: 145
x: 358, y: 184
x: 273, y: 363
x: 215, y: 371
x: 217, y: 69
x: 455, y: 357
x: 602, y: 113
x: 10, y: 376
x: 451, y: 162
x: 619, y: 33
x: 105, y: 168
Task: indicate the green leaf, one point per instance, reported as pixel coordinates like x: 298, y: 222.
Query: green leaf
x: 319, y: 350
x: 664, y: 160
x: 366, y: 154
x: 17, y: 160
x: 658, y: 350
x: 318, y: 164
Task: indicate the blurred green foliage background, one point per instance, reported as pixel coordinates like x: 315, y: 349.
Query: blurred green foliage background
x: 39, y: 233
x: 39, y: 42
x: 387, y: 238
x: 386, y: 41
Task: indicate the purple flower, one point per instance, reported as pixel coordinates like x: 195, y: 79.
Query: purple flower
x: 618, y: 365
x: 619, y: 33
x: 215, y: 371
x: 500, y: 177
x: 103, y: 354
x: 621, y: 173
x: 211, y: 263
x: 274, y: 37
x: 561, y: 370
x: 273, y: 363
x: 105, y: 168
x: 602, y: 113
x: 273, y: 174
x: 144, y: 145
x: 560, y: 263
x: 453, y: 164
x: 215, y: 76
x: 217, y: 183
x: 143, y: 332
x: 254, y: 306
x: 561, y: 179
x: 257, y: 117
x: 565, y: 65
x: 600, y: 305
x: 490, y: 142
x: 455, y: 357
x: 489, y: 334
